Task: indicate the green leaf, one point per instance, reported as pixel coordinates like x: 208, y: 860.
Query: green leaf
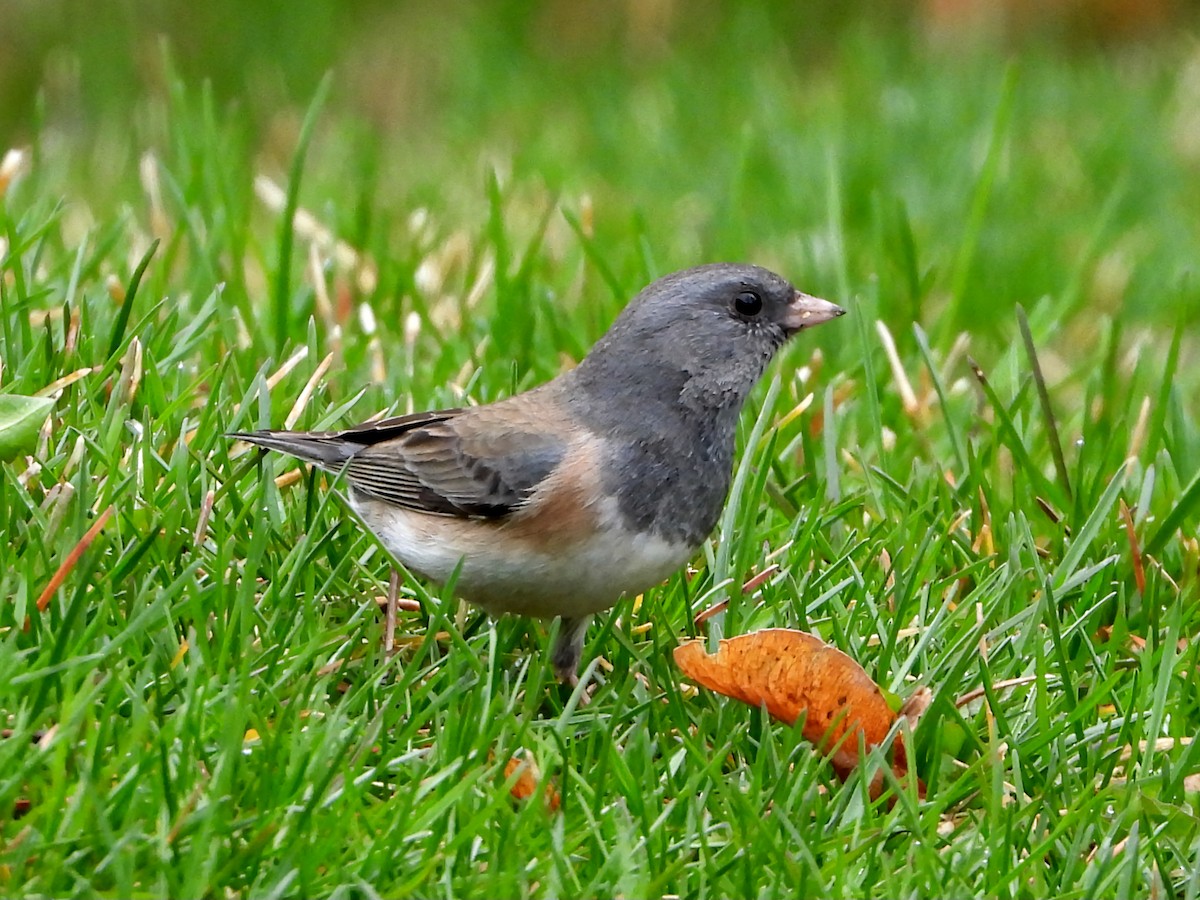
x: 20, y: 419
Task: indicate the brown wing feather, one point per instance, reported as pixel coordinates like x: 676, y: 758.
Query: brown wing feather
x: 473, y: 463
x: 484, y: 461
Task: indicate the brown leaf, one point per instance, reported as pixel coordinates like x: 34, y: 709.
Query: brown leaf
x: 705, y: 615
x: 1135, y: 550
x: 757, y: 581
x: 68, y: 564
x: 793, y: 673
x: 916, y: 705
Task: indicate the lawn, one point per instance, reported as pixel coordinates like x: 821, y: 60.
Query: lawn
x: 984, y: 481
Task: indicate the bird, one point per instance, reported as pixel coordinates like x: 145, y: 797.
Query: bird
x: 598, y: 484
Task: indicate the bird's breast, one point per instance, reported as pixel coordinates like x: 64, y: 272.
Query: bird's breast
x: 671, y: 488
x: 571, y: 550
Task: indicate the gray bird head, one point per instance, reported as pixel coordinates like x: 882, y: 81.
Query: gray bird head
x: 702, y: 336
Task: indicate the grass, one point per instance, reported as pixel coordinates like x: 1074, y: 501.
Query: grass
x: 203, y: 707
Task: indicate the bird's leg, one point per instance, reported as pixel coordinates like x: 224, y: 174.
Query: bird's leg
x: 568, y: 648
x: 389, y: 622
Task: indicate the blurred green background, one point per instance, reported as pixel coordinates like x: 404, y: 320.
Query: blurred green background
x: 718, y: 127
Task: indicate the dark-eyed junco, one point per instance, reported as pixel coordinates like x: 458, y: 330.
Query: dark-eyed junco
x: 600, y: 483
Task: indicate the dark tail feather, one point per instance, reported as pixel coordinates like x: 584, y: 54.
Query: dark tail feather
x: 327, y: 451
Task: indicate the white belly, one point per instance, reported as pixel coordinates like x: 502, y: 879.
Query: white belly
x: 505, y: 572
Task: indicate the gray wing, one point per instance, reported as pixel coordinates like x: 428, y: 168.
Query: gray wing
x: 457, y: 467
x: 480, y: 462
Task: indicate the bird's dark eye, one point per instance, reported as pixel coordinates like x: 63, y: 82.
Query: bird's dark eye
x: 748, y: 303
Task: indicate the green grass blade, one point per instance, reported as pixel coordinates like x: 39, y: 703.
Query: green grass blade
x: 951, y: 428
x: 117, y: 338
x: 1187, y: 504
x: 1012, y: 438
x: 727, y: 530
x: 282, y: 304
x: 1039, y: 380
x: 595, y: 257
x: 1082, y: 542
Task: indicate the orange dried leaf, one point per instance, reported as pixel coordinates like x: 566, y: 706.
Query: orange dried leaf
x: 527, y: 782
x: 793, y: 673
